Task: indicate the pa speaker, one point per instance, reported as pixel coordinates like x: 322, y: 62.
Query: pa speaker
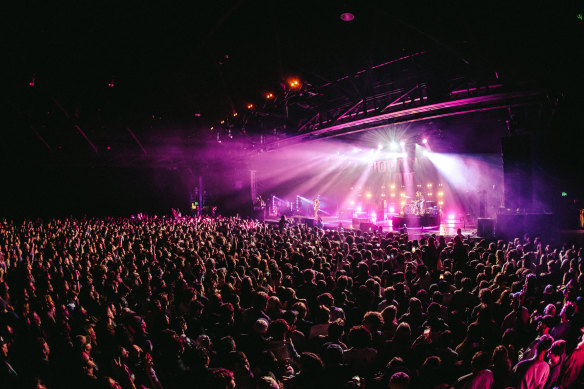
x: 486, y: 227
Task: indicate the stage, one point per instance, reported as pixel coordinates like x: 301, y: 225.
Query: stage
x: 445, y: 227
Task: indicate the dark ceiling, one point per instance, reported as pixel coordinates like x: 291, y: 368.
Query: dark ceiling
x: 87, y: 81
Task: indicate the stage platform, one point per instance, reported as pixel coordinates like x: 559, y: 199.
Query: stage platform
x: 445, y: 227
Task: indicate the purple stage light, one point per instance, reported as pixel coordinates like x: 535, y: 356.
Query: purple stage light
x: 347, y: 17
x: 425, y: 141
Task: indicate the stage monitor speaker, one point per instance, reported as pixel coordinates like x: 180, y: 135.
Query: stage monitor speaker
x: 486, y: 227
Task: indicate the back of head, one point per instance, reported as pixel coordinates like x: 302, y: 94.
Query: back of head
x: 480, y: 361
x: 399, y: 380
x: 544, y: 343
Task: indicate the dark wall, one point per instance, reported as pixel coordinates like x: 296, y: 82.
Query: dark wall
x: 45, y: 192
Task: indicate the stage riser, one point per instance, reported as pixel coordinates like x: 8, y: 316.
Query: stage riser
x: 515, y: 226
x: 416, y: 221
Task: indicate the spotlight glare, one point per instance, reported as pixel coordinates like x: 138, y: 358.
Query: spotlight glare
x: 368, y: 195
x: 402, y: 143
x: 294, y: 83
x: 424, y: 141
x: 250, y: 106
x: 352, y: 202
x: 269, y: 95
x: 451, y: 216
x: 379, y: 146
x: 391, y: 210
x: 359, y: 208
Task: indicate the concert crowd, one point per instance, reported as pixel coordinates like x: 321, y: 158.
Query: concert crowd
x: 224, y: 302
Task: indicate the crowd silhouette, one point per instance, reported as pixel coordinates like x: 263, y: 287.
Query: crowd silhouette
x: 225, y: 302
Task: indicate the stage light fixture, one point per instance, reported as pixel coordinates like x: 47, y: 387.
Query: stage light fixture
x: 451, y: 216
x: 352, y: 202
x: 393, y: 195
x: 250, y: 106
x: 379, y: 146
x: 269, y: 95
x: 402, y: 143
x: 368, y: 195
x: 440, y: 194
x: 347, y: 17
x: 425, y: 141
x: 394, y: 145
x: 359, y: 209
x: 391, y: 210
x: 234, y: 114
x: 429, y: 185
x: 392, y: 186
x: 402, y: 194
x: 294, y: 83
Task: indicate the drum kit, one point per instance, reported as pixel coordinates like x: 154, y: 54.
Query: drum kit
x: 419, y: 207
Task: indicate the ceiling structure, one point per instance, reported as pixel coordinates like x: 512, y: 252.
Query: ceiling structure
x: 134, y: 84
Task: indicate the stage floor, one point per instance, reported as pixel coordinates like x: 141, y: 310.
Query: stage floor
x: 446, y: 227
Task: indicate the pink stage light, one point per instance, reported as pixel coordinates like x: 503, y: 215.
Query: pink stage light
x: 451, y: 216
x: 347, y: 17
x: 359, y: 208
x: 425, y: 141
x: 391, y: 210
